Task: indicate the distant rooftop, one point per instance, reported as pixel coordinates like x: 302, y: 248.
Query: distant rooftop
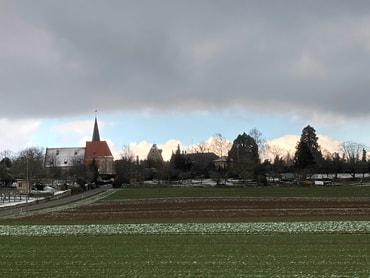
x: 97, y: 149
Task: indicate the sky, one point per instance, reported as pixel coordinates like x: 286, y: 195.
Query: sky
x: 171, y: 72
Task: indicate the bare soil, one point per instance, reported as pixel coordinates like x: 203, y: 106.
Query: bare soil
x: 190, y: 208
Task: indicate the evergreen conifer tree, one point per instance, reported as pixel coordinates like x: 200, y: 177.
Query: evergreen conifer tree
x: 308, y: 153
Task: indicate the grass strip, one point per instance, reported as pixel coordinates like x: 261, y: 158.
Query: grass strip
x: 278, y: 255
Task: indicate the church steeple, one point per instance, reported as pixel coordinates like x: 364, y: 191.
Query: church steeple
x: 96, y: 135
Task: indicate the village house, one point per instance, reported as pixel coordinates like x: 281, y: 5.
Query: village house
x: 154, y: 159
x: 155, y: 154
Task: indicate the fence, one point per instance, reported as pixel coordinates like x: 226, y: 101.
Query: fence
x: 11, y: 195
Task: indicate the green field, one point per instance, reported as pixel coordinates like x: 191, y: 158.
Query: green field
x: 304, y: 248
x: 251, y: 191
x: 296, y: 255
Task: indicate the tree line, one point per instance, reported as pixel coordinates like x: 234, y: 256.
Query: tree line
x: 28, y: 164
x: 243, y: 159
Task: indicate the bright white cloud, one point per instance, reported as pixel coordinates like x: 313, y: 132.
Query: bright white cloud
x: 329, y: 144
x: 142, y: 148
x: 283, y: 145
x: 287, y: 144
x: 16, y: 134
x: 117, y: 153
x: 83, y: 141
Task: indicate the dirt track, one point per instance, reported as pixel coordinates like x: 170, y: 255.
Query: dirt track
x: 210, y: 208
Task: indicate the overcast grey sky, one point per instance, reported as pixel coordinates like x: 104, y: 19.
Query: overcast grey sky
x: 280, y: 64
x: 70, y: 56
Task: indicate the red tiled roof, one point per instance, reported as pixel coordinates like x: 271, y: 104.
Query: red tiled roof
x: 97, y: 149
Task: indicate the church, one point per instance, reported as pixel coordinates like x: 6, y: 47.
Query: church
x: 95, y: 149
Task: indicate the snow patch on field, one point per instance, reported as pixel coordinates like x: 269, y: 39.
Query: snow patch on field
x: 189, y: 228
x: 22, y: 200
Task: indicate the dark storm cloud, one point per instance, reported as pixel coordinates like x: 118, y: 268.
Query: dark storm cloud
x: 68, y: 57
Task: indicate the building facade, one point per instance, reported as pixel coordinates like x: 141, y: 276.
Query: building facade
x: 94, y: 150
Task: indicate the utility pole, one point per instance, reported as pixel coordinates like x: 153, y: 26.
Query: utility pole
x: 27, y: 182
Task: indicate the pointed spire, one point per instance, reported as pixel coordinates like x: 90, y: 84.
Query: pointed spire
x: 96, y: 135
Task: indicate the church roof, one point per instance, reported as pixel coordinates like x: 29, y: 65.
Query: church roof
x: 97, y: 149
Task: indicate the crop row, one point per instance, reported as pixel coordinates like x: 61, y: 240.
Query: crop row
x: 189, y: 228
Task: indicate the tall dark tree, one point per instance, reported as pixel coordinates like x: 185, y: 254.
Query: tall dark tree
x: 308, y: 153
x: 363, y: 167
x: 178, y: 161
x: 304, y: 158
x: 92, y: 171
x: 125, y: 170
x: 244, y: 156
x: 338, y: 164
x: 5, y: 166
x: 244, y: 148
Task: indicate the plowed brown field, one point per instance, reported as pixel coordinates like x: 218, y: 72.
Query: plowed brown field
x: 172, y: 208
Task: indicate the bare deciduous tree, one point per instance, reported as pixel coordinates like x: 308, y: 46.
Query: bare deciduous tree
x: 29, y: 164
x: 275, y: 150
x: 352, y: 153
x: 260, y: 141
x: 127, y: 154
x: 202, y: 147
x: 219, y: 145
